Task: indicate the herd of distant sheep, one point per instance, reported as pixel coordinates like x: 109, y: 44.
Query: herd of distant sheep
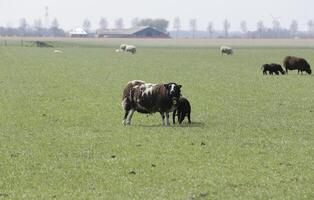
x: 289, y: 62
x: 166, y: 97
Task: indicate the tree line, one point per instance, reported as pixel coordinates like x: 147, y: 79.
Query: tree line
x: 275, y: 31
x: 36, y: 29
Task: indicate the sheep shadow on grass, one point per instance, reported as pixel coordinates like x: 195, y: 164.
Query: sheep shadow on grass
x: 177, y: 125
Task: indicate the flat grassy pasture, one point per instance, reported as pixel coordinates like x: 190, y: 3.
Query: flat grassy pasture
x: 61, y: 137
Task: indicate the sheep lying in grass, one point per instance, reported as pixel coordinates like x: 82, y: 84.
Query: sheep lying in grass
x: 127, y: 48
x: 226, y: 50
x: 130, y: 48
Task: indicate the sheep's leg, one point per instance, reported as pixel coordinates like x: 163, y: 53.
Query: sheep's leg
x: 126, y: 108
x: 167, y: 118
x: 189, y: 118
x: 163, y: 118
x: 174, y: 116
x: 181, y: 118
x: 129, y: 117
x: 125, y: 116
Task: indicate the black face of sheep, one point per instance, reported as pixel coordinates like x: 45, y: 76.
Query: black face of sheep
x: 174, y: 91
x: 183, y: 110
x: 309, y: 71
x: 280, y: 69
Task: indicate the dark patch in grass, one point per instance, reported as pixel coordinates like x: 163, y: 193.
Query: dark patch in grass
x: 4, y: 195
x: 132, y: 172
x: 153, y: 165
x: 192, y: 125
x: 203, y: 194
x: 286, y: 164
x: 14, y: 155
x: 113, y: 156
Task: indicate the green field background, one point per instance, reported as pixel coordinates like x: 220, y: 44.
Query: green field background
x: 61, y: 136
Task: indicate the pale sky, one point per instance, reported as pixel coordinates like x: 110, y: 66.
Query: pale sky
x: 71, y: 13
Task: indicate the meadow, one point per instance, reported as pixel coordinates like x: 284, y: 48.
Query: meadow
x: 61, y: 137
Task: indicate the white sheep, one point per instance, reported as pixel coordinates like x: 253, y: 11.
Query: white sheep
x: 226, y: 50
x: 57, y: 51
x: 130, y: 48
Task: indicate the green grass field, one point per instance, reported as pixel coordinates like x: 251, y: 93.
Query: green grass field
x: 61, y: 136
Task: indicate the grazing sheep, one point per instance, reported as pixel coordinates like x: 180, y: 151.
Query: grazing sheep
x: 130, y: 48
x: 122, y: 47
x: 183, y: 109
x: 296, y: 63
x: 149, y: 98
x: 226, y: 50
x: 272, y: 68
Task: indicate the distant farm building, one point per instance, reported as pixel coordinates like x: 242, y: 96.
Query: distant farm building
x: 78, y: 32
x: 137, y: 32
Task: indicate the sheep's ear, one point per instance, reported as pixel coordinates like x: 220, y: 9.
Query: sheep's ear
x: 180, y: 86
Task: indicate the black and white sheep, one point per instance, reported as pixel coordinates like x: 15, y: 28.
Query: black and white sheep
x: 226, y: 50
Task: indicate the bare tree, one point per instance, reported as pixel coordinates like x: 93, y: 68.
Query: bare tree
x: 103, y: 23
x: 135, y: 22
x: 177, y: 25
x: 276, y: 27
x: 23, y: 26
x: 243, y: 26
x: 260, y: 28
x: 210, y: 29
x: 193, y: 25
x: 86, y: 25
x: 226, y: 26
x: 310, y: 25
x: 54, y: 27
x: 55, y: 23
x: 23, y: 23
x: 119, y: 23
x: 38, y: 25
x: 293, y: 28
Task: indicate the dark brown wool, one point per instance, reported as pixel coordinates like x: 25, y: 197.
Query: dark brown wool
x: 296, y: 63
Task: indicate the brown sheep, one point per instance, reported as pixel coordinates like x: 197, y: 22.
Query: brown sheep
x: 296, y: 63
